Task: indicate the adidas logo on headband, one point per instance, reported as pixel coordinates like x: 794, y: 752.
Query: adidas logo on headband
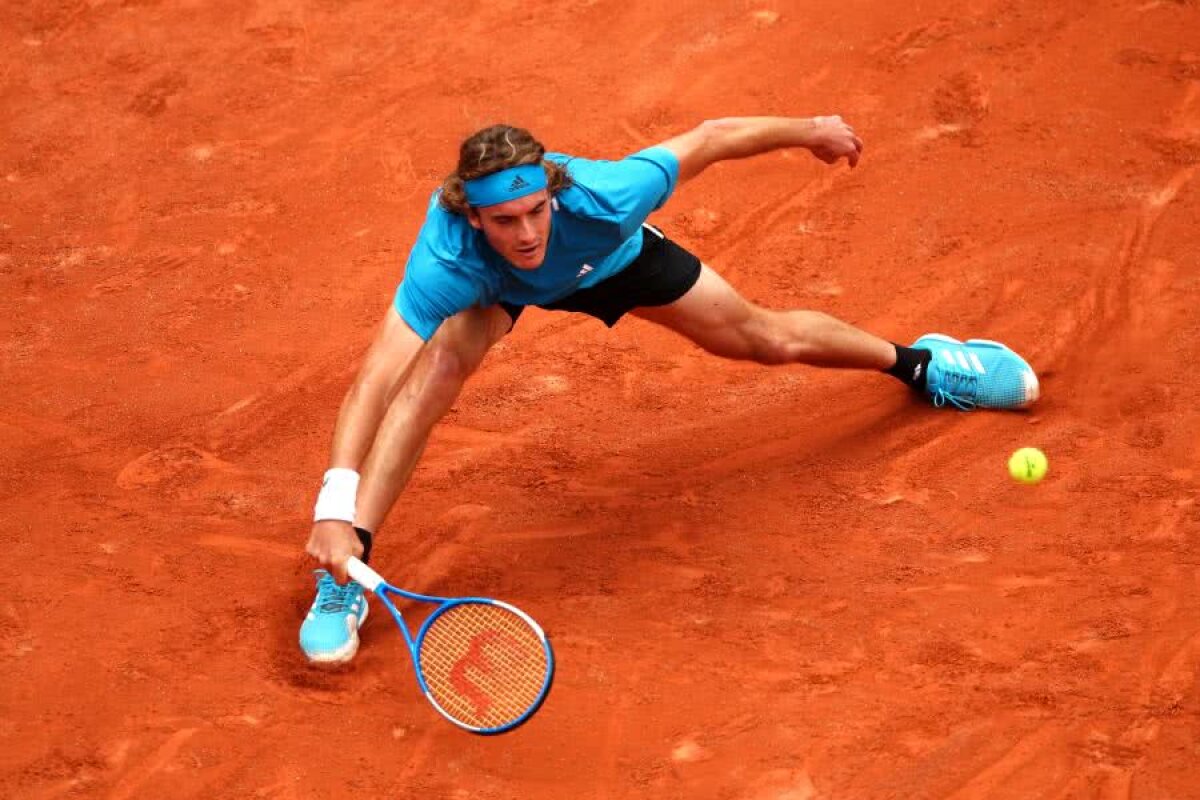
x: 507, y: 184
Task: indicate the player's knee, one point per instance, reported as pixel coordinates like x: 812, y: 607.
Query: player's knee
x: 449, y: 367
x: 772, y: 351
x: 769, y: 342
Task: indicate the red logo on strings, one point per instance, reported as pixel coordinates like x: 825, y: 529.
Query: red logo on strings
x: 476, y: 658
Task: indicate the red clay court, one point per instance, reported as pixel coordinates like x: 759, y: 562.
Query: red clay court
x: 761, y: 584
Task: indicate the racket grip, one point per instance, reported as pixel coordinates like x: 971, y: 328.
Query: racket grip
x: 369, y: 578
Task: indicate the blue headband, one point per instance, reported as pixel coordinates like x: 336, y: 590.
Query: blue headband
x: 507, y: 184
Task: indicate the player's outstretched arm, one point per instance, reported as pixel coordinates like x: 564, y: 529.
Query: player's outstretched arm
x: 829, y: 139
x: 387, y: 364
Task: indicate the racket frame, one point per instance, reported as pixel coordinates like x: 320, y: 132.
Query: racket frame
x: 372, y: 580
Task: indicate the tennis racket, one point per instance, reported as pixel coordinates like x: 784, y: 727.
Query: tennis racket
x: 483, y: 664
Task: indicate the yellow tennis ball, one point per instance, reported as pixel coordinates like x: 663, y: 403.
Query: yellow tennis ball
x: 1028, y: 465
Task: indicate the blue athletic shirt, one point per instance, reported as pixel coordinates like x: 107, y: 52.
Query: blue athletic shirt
x: 595, y: 232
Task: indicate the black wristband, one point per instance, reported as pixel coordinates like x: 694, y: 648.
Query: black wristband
x: 364, y: 536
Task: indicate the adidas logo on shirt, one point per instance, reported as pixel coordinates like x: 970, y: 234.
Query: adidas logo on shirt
x: 586, y: 269
x: 517, y: 183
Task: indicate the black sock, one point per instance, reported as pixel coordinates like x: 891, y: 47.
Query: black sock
x: 910, y: 366
x: 364, y: 536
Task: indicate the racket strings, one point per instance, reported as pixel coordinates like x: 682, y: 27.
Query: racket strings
x: 484, y: 665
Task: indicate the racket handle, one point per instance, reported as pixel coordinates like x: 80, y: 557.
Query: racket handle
x: 369, y: 578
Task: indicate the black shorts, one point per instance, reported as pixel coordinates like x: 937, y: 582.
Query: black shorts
x: 662, y: 273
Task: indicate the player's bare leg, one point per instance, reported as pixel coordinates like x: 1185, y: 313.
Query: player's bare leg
x: 975, y: 373
x: 717, y: 318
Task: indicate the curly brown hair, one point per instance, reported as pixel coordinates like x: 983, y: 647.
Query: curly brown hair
x: 493, y: 149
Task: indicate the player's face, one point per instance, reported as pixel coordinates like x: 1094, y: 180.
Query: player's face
x: 519, y: 230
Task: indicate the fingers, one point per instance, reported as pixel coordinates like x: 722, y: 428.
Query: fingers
x: 314, y: 550
x: 856, y: 145
x: 332, y: 545
x: 334, y: 560
x: 338, y: 569
x: 338, y: 566
x: 839, y: 141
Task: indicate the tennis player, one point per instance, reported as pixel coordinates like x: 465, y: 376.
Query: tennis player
x: 515, y: 226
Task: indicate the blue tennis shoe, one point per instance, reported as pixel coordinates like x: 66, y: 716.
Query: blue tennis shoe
x: 976, y: 373
x: 329, y: 634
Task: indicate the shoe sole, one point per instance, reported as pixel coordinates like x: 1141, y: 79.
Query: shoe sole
x: 346, y: 653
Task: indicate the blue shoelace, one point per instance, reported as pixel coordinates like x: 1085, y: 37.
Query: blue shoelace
x: 335, y: 599
x: 961, y: 382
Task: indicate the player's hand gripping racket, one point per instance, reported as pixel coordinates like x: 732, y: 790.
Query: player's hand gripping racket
x: 483, y: 664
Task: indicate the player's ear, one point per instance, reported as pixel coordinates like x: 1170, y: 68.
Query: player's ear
x: 473, y: 218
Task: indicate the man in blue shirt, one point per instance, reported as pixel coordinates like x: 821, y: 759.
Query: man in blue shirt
x: 514, y: 226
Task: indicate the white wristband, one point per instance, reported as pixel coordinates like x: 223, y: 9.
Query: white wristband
x: 338, y: 492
